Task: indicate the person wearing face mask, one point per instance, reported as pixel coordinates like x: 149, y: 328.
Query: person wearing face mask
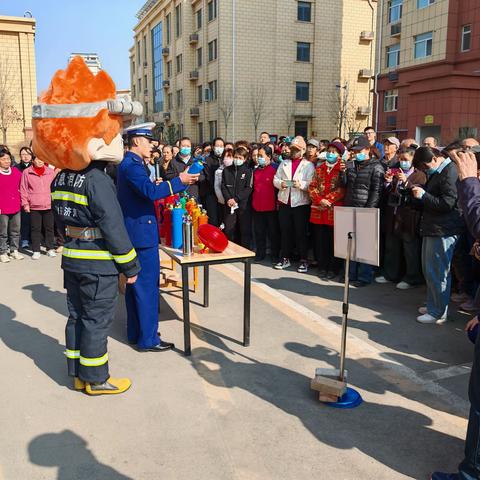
x: 264, y: 205
x: 208, y: 197
x: 26, y: 157
x: 440, y: 227
x: 181, y: 163
x: 326, y: 192
x: 292, y: 179
x: 364, y: 179
x: 237, y: 186
x: 402, y: 256
x: 226, y: 162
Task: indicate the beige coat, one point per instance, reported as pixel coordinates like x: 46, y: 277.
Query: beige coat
x: 304, y: 174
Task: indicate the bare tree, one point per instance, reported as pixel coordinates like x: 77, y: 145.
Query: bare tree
x: 9, y: 115
x: 258, y: 104
x: 226, y: 105
x: 289, y: 112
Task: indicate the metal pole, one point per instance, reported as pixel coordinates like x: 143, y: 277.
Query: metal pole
x: 345, y: 307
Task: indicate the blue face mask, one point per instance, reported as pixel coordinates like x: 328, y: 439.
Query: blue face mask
x: 185, y: 151
x: 405, y: 166
x: 261, y: 161
x: 361, y: 157
x: 431, y: 171
x: 331, y: 157
x: 238, y: 162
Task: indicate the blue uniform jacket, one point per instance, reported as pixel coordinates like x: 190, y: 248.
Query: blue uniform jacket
x: 136, y: 193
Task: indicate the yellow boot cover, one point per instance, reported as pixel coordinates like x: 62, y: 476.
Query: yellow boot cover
x: 121, y: 385
x: 78, y: 384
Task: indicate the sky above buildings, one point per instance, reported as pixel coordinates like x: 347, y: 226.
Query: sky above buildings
x: 66, y: 26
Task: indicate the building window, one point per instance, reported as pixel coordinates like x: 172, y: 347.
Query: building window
x: 304, y: 11
x: 303, y: 52
x: 212, y: 50
x: 133, y: 67
x: 212, y: 10
x: 179, y: 63
x: 179, y: 98
x: 199, y: 19
x: 423, y: 45
x: 390, y: 101
x: 178, y: 20
x: 467, y: 132
x: 139, y: 87
x: 145, y: 83
x: 466, y: 38
x: 212, y: 127
x: 157, y: 71
x: 301, y: 128
x: 200, y: 132
x: 199, y: 57
x: 170, y: 101
x: 395, y: 8
x: 302, y: 92
x: 212, y: 88
x: 169, y: 69
x: 168, y: 26
x: 145, y: 56
x: 134, y: 93
x: 424, y: 3
x: 393, y: 56
x: 200, y: 94
x: 138, y: 54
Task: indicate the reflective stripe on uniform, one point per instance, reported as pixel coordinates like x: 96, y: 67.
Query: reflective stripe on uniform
x: 170, y: 186
x: 94, y: 362
x: 70, y: 197
x: 99, y: 255
x: 72, y: 353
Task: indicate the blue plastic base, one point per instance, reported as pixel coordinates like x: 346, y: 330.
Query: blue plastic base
x: 350, y: 399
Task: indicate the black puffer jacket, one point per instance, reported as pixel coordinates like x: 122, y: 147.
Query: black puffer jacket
x: 441, y: 215
x: 364, y: 182
x: 177, y: 166
x: 237, y: 183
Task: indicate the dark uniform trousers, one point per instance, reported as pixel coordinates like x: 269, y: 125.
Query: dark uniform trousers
x: 91, y: 301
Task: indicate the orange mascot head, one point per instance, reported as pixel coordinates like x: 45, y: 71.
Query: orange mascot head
x: 79, y: 120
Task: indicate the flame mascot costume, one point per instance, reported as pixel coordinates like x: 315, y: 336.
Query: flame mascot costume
x: 76, y: 128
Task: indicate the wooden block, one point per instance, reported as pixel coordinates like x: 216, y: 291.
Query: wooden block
x: 330, y: 373
x: 328, y: 386
x: 327, y: 398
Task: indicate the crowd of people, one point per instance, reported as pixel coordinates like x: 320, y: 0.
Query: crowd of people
x: 277, y: 196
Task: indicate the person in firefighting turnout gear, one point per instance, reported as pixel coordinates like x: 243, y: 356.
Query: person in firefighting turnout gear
x: 77, y: 128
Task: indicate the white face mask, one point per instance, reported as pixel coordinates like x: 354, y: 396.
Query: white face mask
x: 228, y: 161
x: 99, y: 150
x: 218, y: 151
x: 238, y: 162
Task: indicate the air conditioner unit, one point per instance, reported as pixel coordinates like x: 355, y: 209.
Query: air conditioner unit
x: 165, y: 51
x: 166, y: 84
x: 393, y: 76
x: 166, y: 115
x: 367, y: 36
x: 194, y: 75
x: 395, y: 29
x: 365, y: 73
x: 207, y: 96
x: 195, y: 112
x: 363, y: 111
x: 193, y: 38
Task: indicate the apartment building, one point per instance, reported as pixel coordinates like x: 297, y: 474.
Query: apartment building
x: 238, y: 67
x: 92, y: 60
x: 18, y: 82
x: 429, y: 69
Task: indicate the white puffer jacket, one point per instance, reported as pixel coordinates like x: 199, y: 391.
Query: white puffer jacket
x: 304, y: 174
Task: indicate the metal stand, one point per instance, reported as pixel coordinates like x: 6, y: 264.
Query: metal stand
x: 351, y: 398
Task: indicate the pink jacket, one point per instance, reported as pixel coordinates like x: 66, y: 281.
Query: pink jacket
x: 35, y: 189
x: 10, y: 192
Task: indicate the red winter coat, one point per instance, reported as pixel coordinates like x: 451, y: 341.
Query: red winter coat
x: 264, y: 194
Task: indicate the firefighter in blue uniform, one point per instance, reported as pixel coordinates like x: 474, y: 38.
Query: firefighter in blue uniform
x: 136, y: 194
x: 97, y: 248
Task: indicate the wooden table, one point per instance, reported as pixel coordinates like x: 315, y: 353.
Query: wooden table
x: 233, y: 253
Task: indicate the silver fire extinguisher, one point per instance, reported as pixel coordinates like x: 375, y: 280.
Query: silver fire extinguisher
x: 187, y: 234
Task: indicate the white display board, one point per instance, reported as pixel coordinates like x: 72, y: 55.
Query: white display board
x: 364, y: 223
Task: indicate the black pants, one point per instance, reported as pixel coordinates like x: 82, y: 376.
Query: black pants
x: 265, y: 225
x: 294, y: 223
x: 324, y: 248
x: 39, y: 219
x: 238, y: 226
x: 91, y: 303
x: 213, y: 208
x: 25, y: 227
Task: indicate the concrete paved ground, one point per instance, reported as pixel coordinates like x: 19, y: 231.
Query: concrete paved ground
x: 230, y: 412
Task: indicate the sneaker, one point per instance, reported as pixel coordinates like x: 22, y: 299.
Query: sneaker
x: 422, y: 310
x: 322, y: 274
x: 4, y: 258
x: 331, y: 275
x: 282, y: 264
x: 460, y: 297
x: 303, y: 267
x: 24, y: 244
x: 427, y: 318
x: 36, y: 255
x: 15, y: 255
x: 382, y: 279
x: 444, y: 476
x: 404, y: 286
x: 59, y: 249
x: 359, y: 284
x: 469, y: 306
x: 51, y: 253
